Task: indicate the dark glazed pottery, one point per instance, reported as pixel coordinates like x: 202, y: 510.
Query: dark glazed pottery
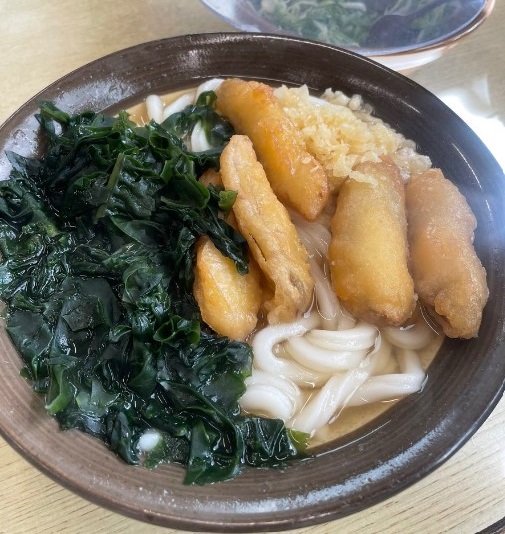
x: 465, y: 381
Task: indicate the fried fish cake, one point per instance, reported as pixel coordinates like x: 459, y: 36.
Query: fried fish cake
x: 295, y: 176
x: 449, y: 277
x: 229, y: 302
x: 265, y: 224
x: 368, y: 250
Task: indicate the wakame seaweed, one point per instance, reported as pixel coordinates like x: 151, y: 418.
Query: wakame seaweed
x: 97, y: 243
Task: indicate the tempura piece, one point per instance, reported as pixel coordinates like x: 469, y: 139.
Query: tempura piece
x: 229, y: 302
x: 211, y: 177
x: 449, y: 278
x: 295, y: 176
x: 368, y: 251
x: 265, y: 224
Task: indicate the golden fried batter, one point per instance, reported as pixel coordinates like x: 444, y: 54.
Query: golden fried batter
x: 265, y: 224
x: 449, y: 278
x: 368, y: 250
x: 211, y: 177
x: 297, y: 179
x: 229, y: 302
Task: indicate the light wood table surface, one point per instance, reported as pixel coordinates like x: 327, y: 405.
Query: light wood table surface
x: 40, y: 41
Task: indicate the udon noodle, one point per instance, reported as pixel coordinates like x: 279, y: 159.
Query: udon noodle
x: 308, y: 371
x: 328, y: 360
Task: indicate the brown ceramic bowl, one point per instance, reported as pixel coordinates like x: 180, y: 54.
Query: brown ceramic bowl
x: 465, y: 381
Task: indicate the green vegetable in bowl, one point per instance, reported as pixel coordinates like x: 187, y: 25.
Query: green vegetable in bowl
x: 346, y: 23
x: 97, y: 242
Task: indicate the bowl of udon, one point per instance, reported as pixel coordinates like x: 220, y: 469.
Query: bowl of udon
x: 269, y: 294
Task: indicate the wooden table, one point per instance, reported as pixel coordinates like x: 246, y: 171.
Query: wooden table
x: 42, y: 40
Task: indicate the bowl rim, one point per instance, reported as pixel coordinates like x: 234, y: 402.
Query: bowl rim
x: 242, y: 522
